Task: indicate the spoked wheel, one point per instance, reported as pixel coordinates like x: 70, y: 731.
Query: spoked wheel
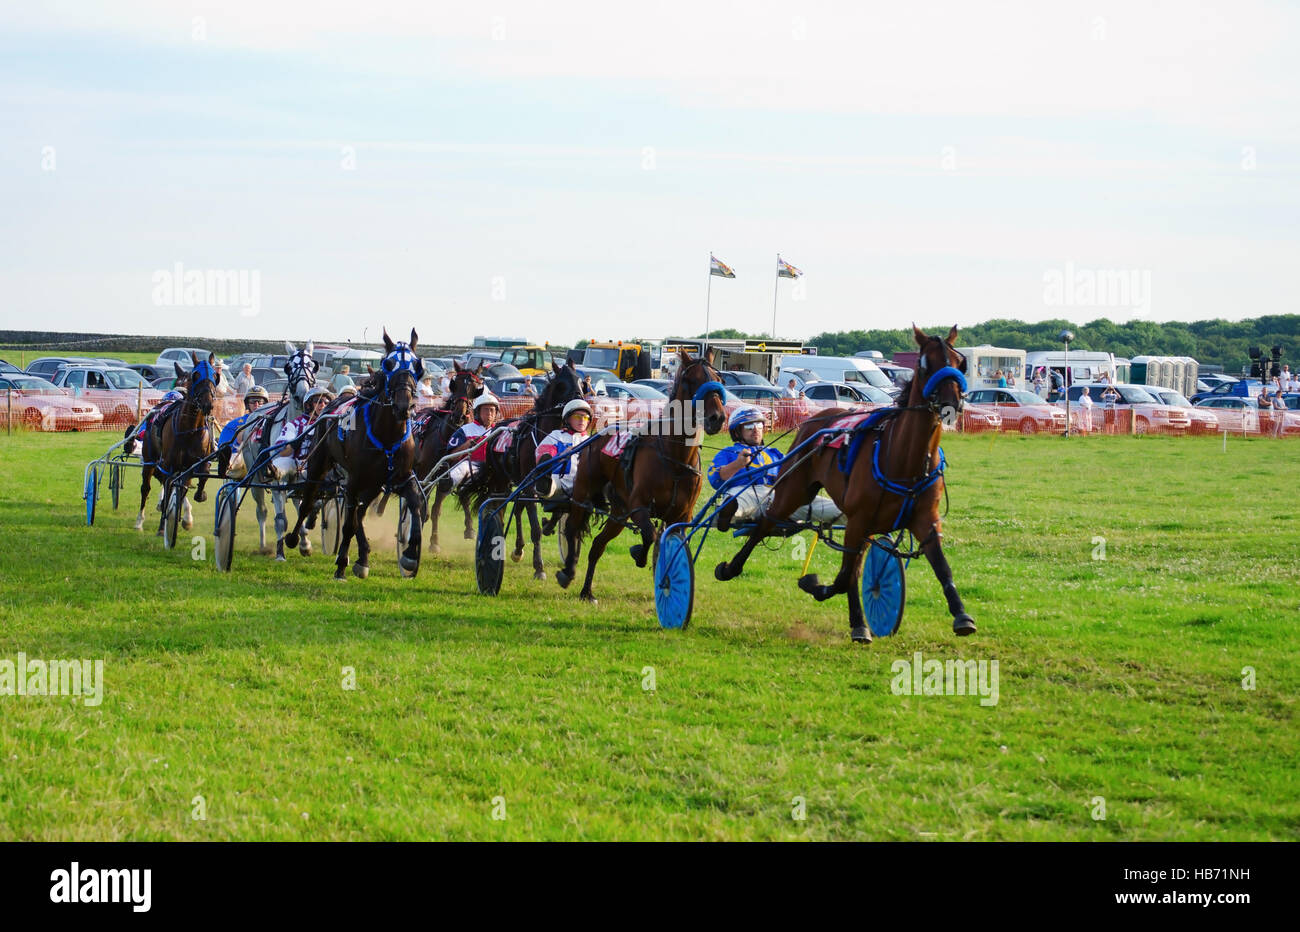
x: 115, y: 483
x: 172, y: 514
x: 225, y: 530
x: 674, y: 580
x: 331, y: 524
x: 884, y: 588
x: 403, y: 524
x: 489, y: 553
x: 92, y: 491
x: 562, y: 539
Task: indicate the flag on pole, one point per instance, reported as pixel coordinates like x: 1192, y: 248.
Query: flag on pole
x: 786, y: 270
x: 719, y: 268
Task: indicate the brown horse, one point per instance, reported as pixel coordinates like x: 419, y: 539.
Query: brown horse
x: 373, y: 444
x: 909, y: 461
x: 663, y: 478
x: 181, y: 437
x: 432, y: 436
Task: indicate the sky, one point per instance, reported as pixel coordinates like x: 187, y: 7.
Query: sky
x: 563, y: 170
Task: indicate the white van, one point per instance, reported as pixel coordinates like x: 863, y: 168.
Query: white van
x: 837, y: 369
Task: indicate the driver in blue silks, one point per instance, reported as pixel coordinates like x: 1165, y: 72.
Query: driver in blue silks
x: 756, y: 466
x: 231, y: 439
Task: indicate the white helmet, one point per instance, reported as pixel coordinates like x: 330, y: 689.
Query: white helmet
x: 487, y: 398
x: 576, y: 404
x: 315, y: 393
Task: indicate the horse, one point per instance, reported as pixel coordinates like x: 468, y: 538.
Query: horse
x: 506, y: 470
x: 260, y: 433
x: 181, y: 437
x: 662, y: 477
x: 895, y: 483
x: 437, y: 428
x: 373, y: 444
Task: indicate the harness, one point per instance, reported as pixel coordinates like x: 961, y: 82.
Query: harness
x: 389, y: 452
x: 400, y: 360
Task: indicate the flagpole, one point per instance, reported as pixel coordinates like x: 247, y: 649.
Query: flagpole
x: 709, y: 300
x: 775, y: 286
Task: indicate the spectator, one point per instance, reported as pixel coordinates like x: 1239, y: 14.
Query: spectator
x: 1109, y: 398
x: 792, y: 389
x: 1011, y: 380
x: 425, y: 388
x: 1085, y: 411
x: 1278, y: 412
x: 529, y: 388
x: 341, y: 379
x: 1057, y: 380
x: 1002, y: 379
x: 1038, y: 382
x: 444, y: 383
x: 223, y: 381
x: 244, y: 382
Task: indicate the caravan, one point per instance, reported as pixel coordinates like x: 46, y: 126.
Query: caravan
x: 984, y: 362
x: 1085, y: 366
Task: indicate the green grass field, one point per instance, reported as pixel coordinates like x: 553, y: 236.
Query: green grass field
x: 1120, y: 678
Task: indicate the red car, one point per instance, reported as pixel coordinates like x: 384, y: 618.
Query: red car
x: 40, y: 405
x: 1021, y: 410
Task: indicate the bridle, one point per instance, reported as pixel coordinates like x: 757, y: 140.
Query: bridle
x: 401, y: 361
x: 711, y: 387
x: 302, y: 368
x: 930, y: 392
x: 201, y: 373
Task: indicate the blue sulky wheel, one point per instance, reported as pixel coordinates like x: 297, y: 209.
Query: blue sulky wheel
x: 224, y: 529
x: 674, y: 580
x: 884, y: 588
x: 92, y: 490
x: 115, y: 482
x: 490, y: 553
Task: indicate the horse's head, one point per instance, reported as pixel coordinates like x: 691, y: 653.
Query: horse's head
x: 202, y: 381
x: 697, y: 383
x: 939, y: 382
x: 466, y: 385
x: 301, y: 370
x: 402, y: 370
x: 565, y: 385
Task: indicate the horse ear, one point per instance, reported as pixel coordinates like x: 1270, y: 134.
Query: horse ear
x: 459, y: 367
x: 180, y: 373
x: 952, y: 335
x: 479, y: 369
x: 309, y: 348
x: 389, y: 345
x: 684, y: 356
x: 212, y: 358
x: 555, y: 367
x: 315, y: 366
x: 370, y: 369
x: 415, y: 340
x: 919, y: 335
x: 290, y: 348
x: 286, y: 368
x: 708, y: 357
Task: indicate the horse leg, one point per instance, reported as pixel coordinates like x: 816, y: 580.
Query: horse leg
x: 730, y: 569
x: 145, y: 473
x: 574, y: 528
x: 850, y: 576
x: 535, y: 531
x: 641, y: 518
x: 361, y: 569
x: 517, y: 515
x: 434, y: 510
x: 962, y: 623
x: 259, y: 497
x: 467, y: 506
x: 410, y: 558
x: 187, y: 510
x: 278, y: 499
x: 349, y: 518
x: 611, y: 530
x: 200, y: 494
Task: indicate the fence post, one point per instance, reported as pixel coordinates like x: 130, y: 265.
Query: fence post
x: 139, y: 401
x: 9, y: 418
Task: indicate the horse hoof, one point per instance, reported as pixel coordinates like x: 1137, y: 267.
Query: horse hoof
x: 305, y: 551
x: 539, y: 574
x: 435, y: 549
x: 360, y: 570
x: 516, y: 556
x: 589, y: 598
x: 187, y: 523
x: 638, y: 555
x: 281, y: 558
x: 860, y: 636
x: 722, y: 572
x: 469, y: 535
x: 563, y: 578
x: 200, y: 496
x: 139, y: 525
x: 409, y: 565
x: 339, y: 577
x: 809, y: 583
x: 963, y: 625
x: 291, y: 539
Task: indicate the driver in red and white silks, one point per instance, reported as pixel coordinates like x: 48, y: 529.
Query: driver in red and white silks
x: 759, y: 465
x: 288, y: 461
x: 576, y: 419
x: 486, y: 414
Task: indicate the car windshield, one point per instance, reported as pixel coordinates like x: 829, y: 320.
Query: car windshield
x: 32, y: 385
x: 1026, y: 398
x: 749, y: 378
x: 642, y: 391
x: 125, y: 378
x: 1175, y: 399
x: 1136, y: 396
x: 873, y: 377
x: 874, y: 395
x: 603, y: 358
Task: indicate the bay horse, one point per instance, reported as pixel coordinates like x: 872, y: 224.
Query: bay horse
x: 373, y: 444
x: 662, y: 480
x: 181, y: 437
x: 301, y: 371
x: 895, y: 483
x: 506, y: 470
x: 436, y: 429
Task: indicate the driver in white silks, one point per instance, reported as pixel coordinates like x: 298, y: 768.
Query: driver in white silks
x: 753, y: 467
x: 288, y: 461
x: 575, y: 419
x: 486, y: 413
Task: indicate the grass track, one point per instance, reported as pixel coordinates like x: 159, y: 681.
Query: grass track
x: 1119, y: 678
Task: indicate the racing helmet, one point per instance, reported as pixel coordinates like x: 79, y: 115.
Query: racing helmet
x: 576, y: 405
x: 484, y: 400
x: 741, y: 418
x: 256, y: 391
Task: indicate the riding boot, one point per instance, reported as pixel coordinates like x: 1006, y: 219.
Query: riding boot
x: 727, y: 513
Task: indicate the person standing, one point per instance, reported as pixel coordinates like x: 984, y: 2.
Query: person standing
x: 1109, y: 398
x: 1085, y: 411
x: 1038, y: 382
x: 244, y: 382
x: 341, y: 378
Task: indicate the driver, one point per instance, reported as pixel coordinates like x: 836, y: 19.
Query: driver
x: 135, y: 434
x: 486, y: 413
x: 232, y: 439
x: 756, y: 466
x: 293, y: 456
x: 572, y: 431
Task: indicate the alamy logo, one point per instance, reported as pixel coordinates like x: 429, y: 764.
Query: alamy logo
x: 181, y: 287
x: 1096, y: 288
x: 25, y: 677
x: 103, y: 886
x: 918, y: 677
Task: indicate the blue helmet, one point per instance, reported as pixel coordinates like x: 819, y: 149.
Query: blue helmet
x: 742, y: 417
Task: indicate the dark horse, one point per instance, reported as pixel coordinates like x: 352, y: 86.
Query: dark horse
x: 506, y: 470
x: 662, y: 478
x: 181, y: 436
x: 372, y: 442
x: 909, y: 463
x: 434, y: 432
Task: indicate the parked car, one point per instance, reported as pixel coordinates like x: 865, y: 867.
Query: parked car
x: 264, y: 374
x: 763, y: 393
x: 6, y: 366
x: 976, y: 419
x: 847, y: 393
x: 597, y: 375
x: 165, y: 385
x: 514, y: 385
x: 659, y: 385
x: 1238, y: 388
x: 1203, y: 421
x: 181, y: 355
x: 733, y: 377
x: 151, y: 371
x: 46, y: 366
x: 1148, y: 411
x: 1021, y: 410
x: 39, y: 404
x: 115, y: 390
x: 899, y: 375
